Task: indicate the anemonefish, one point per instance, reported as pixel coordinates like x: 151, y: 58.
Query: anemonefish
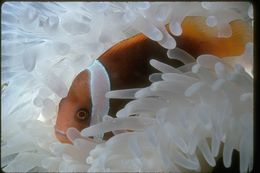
x: 126, y: 65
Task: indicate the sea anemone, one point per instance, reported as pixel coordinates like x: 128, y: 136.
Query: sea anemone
x: 184, y: 121
x: 183, y: 112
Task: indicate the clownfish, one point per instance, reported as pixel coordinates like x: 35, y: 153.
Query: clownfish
x: 126, y: 65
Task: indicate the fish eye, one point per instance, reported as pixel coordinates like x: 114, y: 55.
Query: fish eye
x: 82, y: 114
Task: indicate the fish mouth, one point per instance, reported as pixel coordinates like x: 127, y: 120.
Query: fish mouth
x: 61, y: 135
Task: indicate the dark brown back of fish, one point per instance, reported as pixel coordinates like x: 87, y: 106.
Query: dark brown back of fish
x: 127, y: 64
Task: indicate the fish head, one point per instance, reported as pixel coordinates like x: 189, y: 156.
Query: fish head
x: 75, y: 109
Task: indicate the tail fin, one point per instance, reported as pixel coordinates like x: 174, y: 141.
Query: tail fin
x: 198, y: 38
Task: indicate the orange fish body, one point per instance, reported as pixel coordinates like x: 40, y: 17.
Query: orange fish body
x: 127, y: 66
